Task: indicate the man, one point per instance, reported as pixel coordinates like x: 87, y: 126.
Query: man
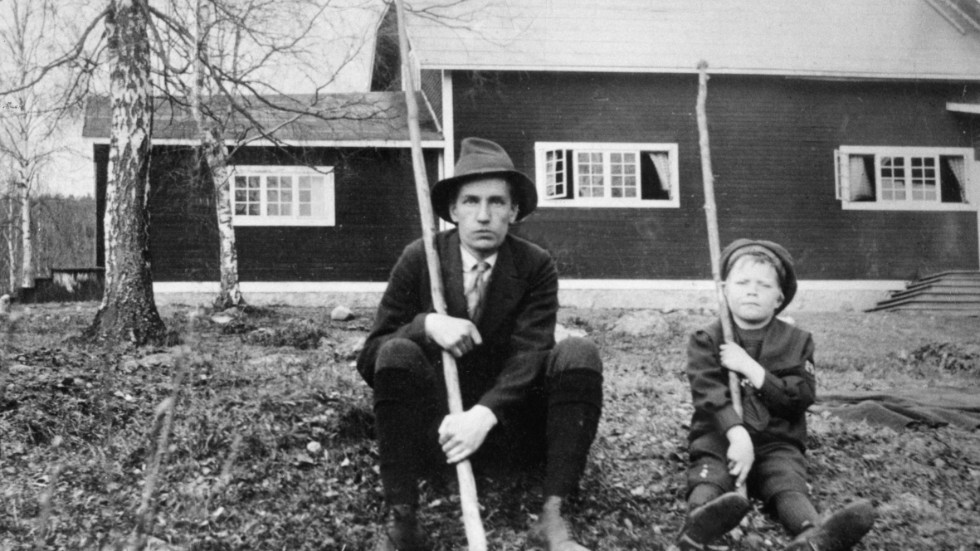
x: 524, y: 398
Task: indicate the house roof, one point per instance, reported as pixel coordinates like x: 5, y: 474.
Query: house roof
x: 890, y: 39
x: 371, y: 118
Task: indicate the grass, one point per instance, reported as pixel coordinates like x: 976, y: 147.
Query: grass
x: 270, y: 444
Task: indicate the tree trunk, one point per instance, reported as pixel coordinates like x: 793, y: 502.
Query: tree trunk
x: 12, y: 241
x: 216, y: 154
x: 128, y: 312
x: 26, y: 236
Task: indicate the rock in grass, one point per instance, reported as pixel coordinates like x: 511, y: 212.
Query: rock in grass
x: 562, y: 332
x: 351, y: 347
x: 221, y: 319
x: 341, y: 313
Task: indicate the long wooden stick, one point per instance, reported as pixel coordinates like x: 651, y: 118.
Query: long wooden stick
x: 711, y: 214
x: 475, y: 536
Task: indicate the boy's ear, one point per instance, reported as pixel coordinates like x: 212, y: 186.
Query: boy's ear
x: 780, y: 301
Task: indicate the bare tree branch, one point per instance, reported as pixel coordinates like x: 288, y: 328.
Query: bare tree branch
x: 70, y: 57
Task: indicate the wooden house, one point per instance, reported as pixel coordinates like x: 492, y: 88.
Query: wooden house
x: 323, y: 205
x: 847, y: 130
x: 844, y: 129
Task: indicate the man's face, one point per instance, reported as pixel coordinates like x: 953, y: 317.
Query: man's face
x: 483, y: 211
x: 753, y: 292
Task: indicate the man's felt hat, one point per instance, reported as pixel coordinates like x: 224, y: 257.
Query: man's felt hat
x: 479, y: 158
x: 779, y: 256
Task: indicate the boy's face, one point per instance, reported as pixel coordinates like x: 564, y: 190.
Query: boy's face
x: 753, y: 292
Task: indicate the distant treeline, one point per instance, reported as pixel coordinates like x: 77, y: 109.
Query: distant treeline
x: 63, y: 230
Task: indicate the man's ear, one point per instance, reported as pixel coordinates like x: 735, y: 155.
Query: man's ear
x: 780, y: 301
x: 452, y: 213
x: 514, y: 210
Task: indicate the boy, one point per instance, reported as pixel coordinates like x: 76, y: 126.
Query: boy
x: 765, y: 448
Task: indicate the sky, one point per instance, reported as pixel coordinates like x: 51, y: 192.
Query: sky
x: 73, y: 172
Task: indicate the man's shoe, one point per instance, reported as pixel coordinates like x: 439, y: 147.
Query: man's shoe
x: 551, y: 532
x: 401, y: 531
x: 839, y: 532
x: 712, y: 520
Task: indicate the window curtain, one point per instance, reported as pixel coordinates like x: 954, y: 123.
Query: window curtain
x: 954, y: 192
x: 661, y: 162
x: 860, y: 178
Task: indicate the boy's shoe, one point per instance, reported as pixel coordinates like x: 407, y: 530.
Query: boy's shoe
x: 401, y: 531
x: 839, y: 532
x: 712, y: 520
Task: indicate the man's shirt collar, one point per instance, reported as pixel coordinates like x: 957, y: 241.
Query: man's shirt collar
x: 470, y: 261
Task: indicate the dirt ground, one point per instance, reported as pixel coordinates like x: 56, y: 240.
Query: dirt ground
x: 270, y: 444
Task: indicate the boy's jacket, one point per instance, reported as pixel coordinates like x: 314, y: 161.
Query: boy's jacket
x: 780, y: 405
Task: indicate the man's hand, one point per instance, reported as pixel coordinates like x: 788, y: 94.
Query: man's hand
x: 735, y: 358
x: 457, y: 335
x: 461, y: 434
x: 741, y: 454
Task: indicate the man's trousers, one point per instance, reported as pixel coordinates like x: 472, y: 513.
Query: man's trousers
x: 556, y: 424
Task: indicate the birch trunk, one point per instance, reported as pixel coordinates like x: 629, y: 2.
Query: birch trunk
x: 11, y: 242
x: 128, y: 312
x: 26, y: 236
x: 216, y: 154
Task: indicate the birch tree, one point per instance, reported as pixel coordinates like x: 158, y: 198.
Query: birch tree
x: 216, y: 155
x: 171, y: 54
x: 128, y: 312
x: 235, y: 49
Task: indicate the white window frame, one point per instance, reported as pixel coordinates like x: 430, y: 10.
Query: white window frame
x: 541, y: 175
x: 842, y: 178
x: 326, y: 216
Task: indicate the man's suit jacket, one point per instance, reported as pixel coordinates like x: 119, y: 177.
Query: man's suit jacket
x: 517, y: 324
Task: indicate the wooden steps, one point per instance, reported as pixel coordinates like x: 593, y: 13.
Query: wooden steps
x: 953, y: 293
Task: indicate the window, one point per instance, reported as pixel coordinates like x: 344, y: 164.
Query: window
x: 282, y: 196
x: 606, y: 175
x: 903, y: 178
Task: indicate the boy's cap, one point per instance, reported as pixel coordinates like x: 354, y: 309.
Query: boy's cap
x: 775, y: 251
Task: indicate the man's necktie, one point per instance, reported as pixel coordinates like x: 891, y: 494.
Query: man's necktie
x: 474, y: 294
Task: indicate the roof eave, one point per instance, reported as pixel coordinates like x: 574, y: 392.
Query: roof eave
x: 396, y: 144
x: 836, y: 75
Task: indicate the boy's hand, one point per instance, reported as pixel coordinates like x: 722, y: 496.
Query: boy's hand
x: 457, y: 335
x: 461, y: 434
x: 735, y: 358
x: 741, y: 454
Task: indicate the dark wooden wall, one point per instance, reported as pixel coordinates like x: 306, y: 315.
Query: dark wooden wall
x: 376, y: 216
x: 772, y: 143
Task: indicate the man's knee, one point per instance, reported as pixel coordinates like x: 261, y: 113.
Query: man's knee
x: 401, y: 360
x: 399, y: 353
x: 574, y: 353
x: 574, y: 373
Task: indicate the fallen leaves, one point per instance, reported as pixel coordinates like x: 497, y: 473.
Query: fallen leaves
x: 273, y: 443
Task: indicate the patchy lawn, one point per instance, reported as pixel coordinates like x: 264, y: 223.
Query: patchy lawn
x: 271, y: 443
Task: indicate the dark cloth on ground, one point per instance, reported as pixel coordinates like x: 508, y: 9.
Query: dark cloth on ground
x: 900, y: 409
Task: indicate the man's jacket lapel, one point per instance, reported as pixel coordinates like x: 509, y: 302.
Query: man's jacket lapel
x: 504, y: 289
x: 452, y: 275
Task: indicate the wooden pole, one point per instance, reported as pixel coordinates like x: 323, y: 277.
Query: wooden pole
x: 711, y: 214
x: 475, y: 536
